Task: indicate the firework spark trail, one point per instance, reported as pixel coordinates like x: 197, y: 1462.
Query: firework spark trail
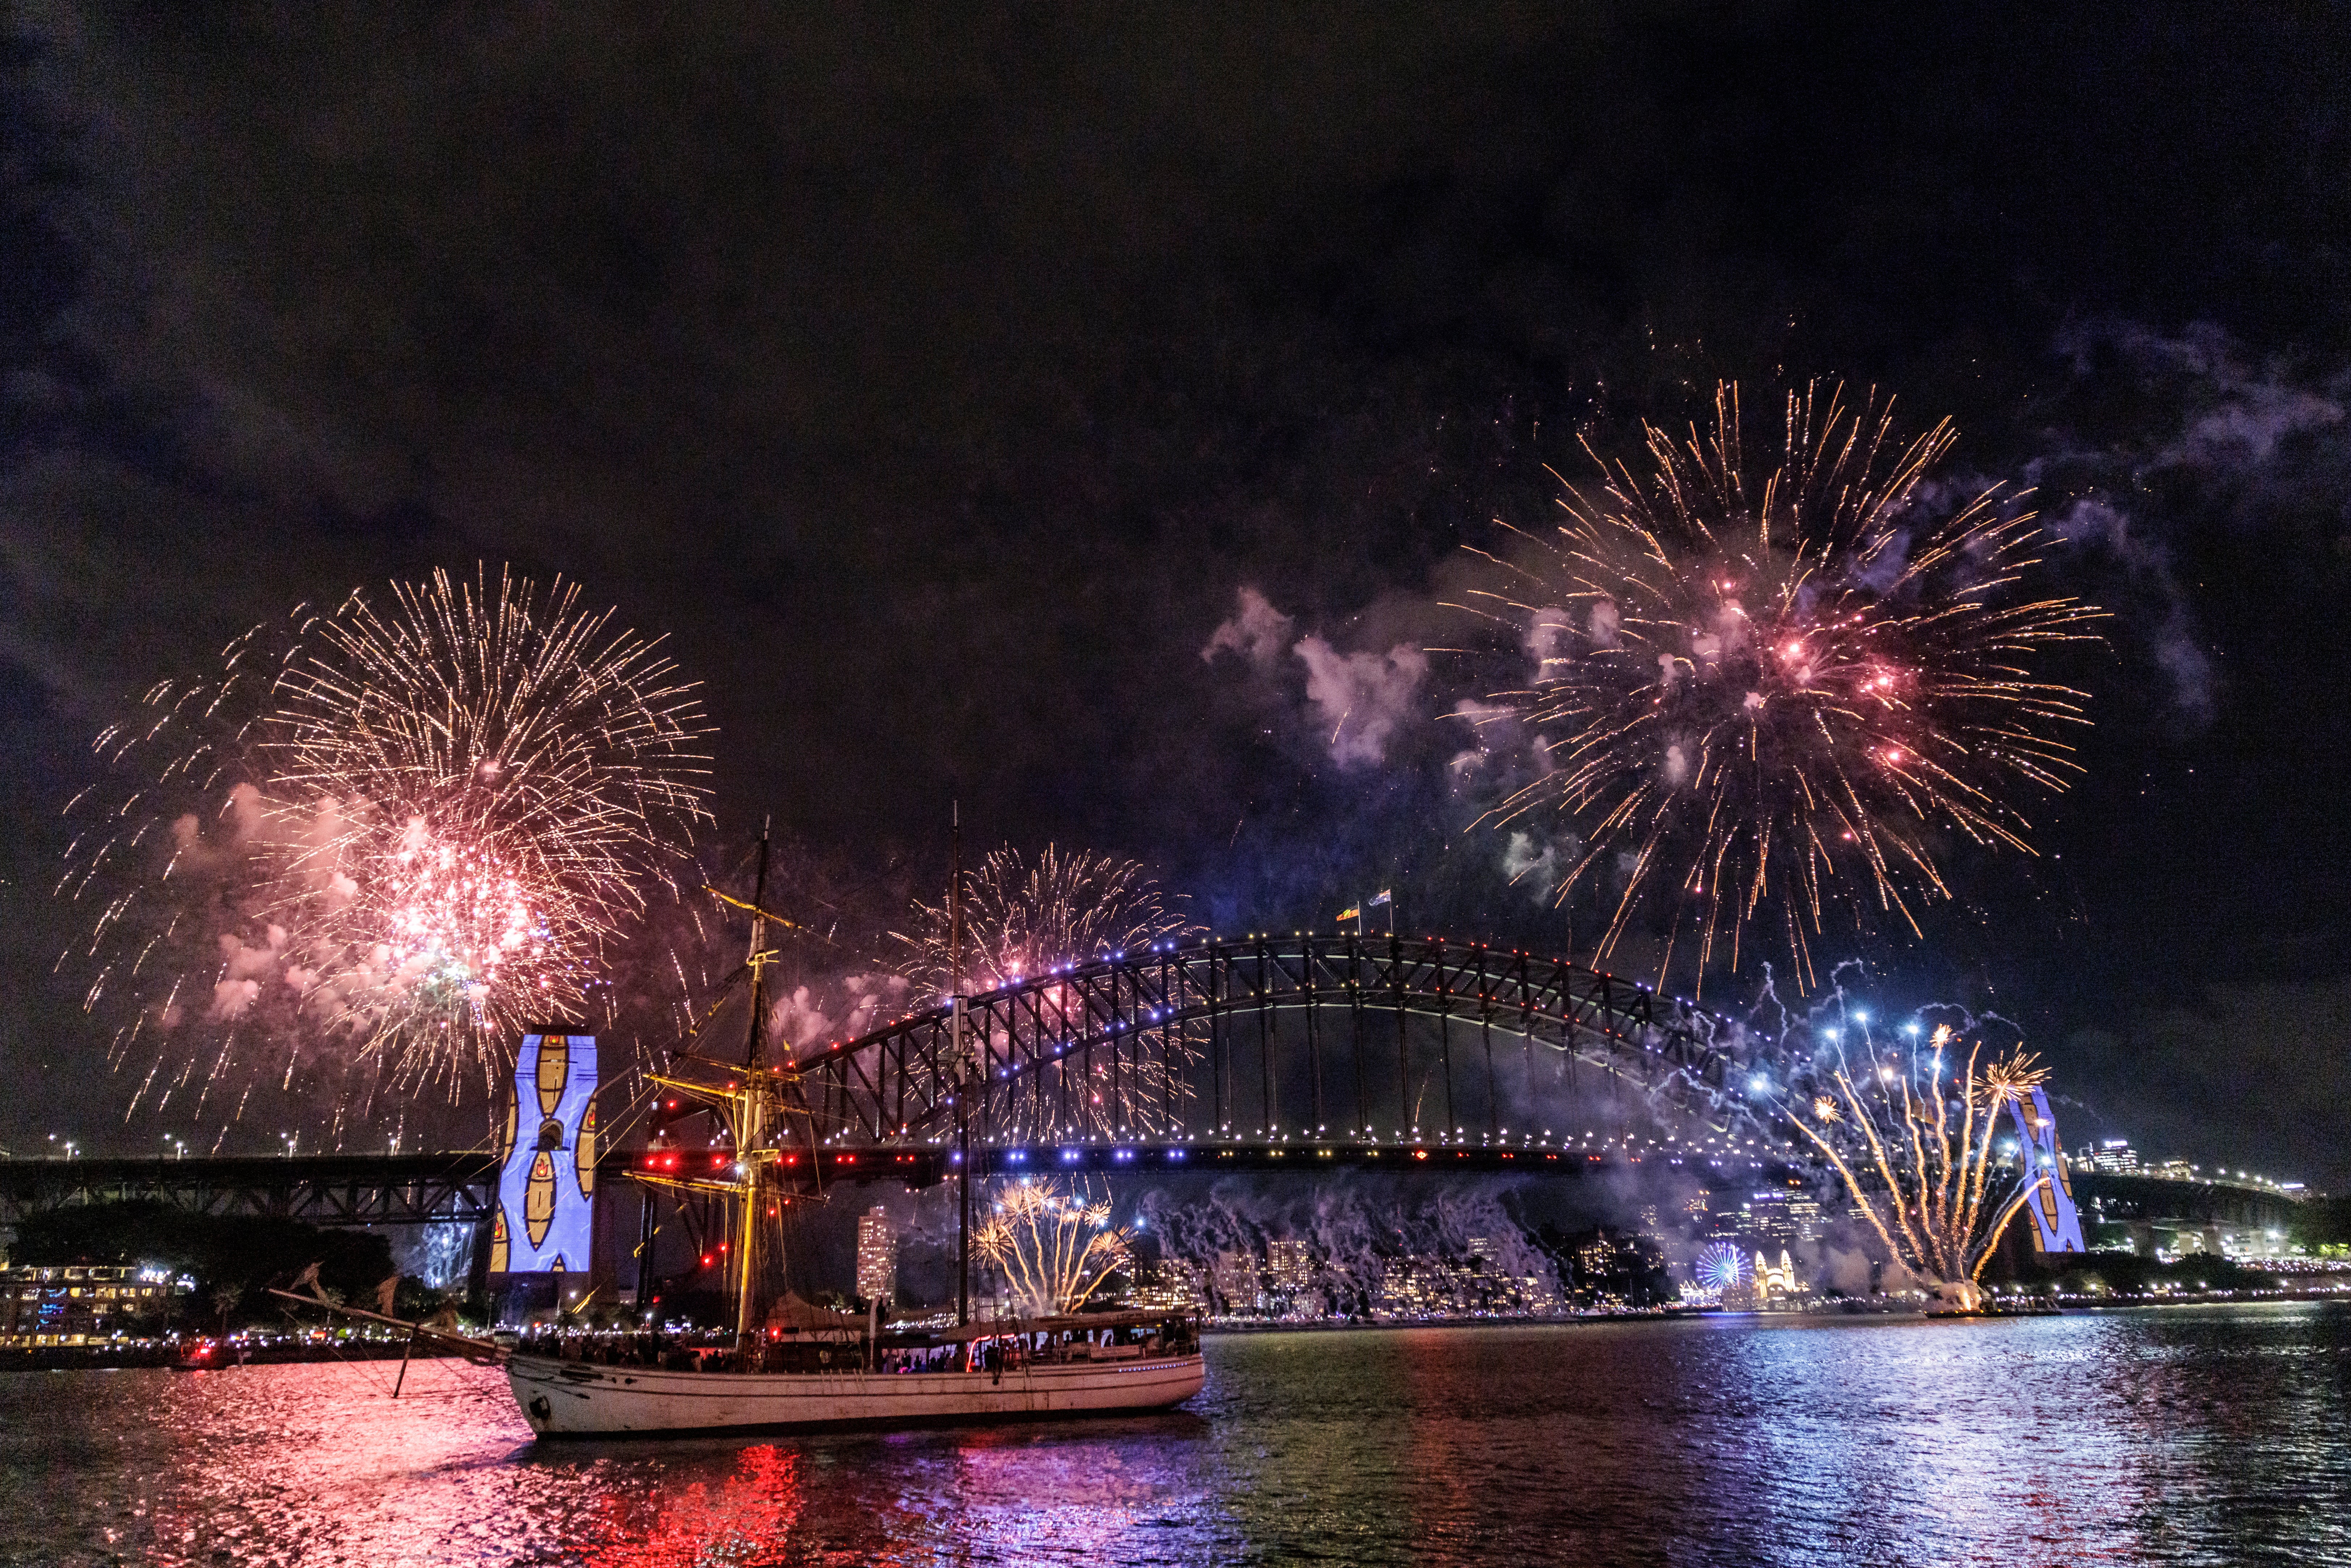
x: 1053, y: 1247
x: 1027, y: 920
x: 1747, y: 693
x: 402, y: 835
x: 1911, y: 1133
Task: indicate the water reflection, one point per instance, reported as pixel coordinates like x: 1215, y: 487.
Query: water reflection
x: 2205, y: 1436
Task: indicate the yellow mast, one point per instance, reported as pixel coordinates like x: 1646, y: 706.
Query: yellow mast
x: 744, y: 1103
x: 749, y: 1122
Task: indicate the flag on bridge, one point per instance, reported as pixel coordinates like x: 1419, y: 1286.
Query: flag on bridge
x: 1379, y: 898
x: 1354, y: 914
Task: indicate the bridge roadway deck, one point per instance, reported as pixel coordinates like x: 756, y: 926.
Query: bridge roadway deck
x: 456, y: 1186
x: 421, y: 1188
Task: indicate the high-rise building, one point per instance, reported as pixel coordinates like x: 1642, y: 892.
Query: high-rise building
x: 1766, y: 1214
x: 1289, y: 1267
x: 1237, y: 1282
x: 877, y: 1255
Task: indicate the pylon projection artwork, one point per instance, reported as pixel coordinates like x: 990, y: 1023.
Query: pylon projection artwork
x: 547, y: 1172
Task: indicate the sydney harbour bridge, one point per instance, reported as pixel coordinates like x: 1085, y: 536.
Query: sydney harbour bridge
x: 1295, y: 1052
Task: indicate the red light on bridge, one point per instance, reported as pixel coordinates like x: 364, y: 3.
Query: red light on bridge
x: 1420, y: 1153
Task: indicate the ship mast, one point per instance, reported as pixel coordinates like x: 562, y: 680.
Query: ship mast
x: 758, y: 935
x: 963, y: 1090
x: 749, y: 1093
x: 751, y: 1129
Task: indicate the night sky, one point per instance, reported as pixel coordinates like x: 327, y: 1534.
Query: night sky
x: 938, y: 382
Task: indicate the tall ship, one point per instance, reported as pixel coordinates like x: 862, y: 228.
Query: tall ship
x: 790, y: 1365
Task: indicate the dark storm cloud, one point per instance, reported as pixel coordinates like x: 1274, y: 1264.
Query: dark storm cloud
x: 938, y: 379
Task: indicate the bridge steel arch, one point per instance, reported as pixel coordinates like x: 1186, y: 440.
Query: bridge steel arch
x: 1207, y: 1042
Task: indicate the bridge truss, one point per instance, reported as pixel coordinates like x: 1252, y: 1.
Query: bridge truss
x: 344, y: 1189
x: 1361, y: 1042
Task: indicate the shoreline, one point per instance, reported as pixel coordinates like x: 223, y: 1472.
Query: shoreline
x: 169, y: 1356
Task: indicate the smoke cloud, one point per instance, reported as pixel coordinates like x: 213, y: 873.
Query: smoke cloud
x: 2195, y: 681
x: 1364, y: 698
x: 1257, y: 632
x: 1360, y: 701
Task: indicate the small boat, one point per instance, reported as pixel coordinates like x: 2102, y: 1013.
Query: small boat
x: 206, y: 1355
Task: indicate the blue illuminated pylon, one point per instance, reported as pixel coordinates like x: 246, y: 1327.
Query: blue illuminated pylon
x: 2056, y: 1223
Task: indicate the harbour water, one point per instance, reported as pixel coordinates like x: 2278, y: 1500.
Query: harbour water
x: 2207, y: 1434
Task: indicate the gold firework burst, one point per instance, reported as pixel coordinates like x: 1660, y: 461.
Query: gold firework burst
x: 1761, y: 690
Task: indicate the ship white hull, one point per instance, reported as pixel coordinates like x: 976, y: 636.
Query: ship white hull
x: 565, y: 1398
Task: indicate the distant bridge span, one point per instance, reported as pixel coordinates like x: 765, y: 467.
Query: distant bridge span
x: 373, y: 1190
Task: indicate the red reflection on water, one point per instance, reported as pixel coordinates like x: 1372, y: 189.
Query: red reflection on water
x: 749, y: 1514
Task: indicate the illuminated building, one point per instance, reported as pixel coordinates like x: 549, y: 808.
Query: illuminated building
x: 1425, y: 1286
x: 1169, y: 1283
x: 1766, y: 1214
x: 1289, y: 1267
x: 1235, y: 1279
x: 1292, y: 1281
x: 2114, y: 1156
x: 1776, y: 1278
x: 1614, y: 1272
x: 877, y: 1255
x: 78, y: 1304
